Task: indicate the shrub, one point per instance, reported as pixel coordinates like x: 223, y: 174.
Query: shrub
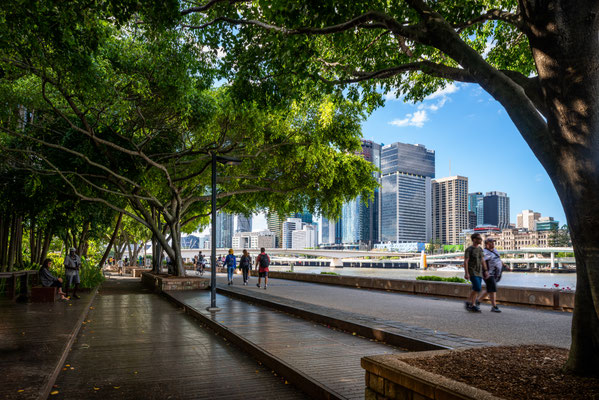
x: 328, y: 273
x: 455, y: 279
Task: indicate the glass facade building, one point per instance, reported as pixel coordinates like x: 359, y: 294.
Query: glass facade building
x: 224, y: 230
x: 497, y: 209
x: 244, y: 223
x: 405, y: 199
x: 476, y: 205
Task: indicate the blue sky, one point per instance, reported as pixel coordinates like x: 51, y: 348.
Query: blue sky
x: 469, y: 129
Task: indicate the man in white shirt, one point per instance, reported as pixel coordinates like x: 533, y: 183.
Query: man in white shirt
x: 495, y: 266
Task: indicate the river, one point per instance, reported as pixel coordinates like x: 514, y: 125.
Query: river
x: 521, y: 279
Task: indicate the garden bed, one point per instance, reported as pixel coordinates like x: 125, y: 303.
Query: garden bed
x: 506, y: 372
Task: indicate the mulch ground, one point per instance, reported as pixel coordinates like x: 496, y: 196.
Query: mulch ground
x: 513, y: 372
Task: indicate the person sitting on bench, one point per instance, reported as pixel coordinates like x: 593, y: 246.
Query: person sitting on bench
x: 49, y: 280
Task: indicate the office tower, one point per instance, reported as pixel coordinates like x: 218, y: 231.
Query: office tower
x: 244, y: 223
x: 274, y: 222
x: 526, y: 219
x: 497, y: 209
x: 290, y: 225
x: 332, y: 231
x: 360, y: 220
x: 190, y: 242
x: 450, y: 208
x: 224, y: 230
x: 406, y: 193
x: 471, y: 220
x: 305, y: 216
x: 476, y: 205
x: 306, y: 237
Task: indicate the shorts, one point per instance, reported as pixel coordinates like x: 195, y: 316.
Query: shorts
x: 476, y: 283
x: 491, y: 286
x: 74, y: 278
x: 263, y: 274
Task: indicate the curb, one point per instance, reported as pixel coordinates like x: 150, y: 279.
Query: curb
x: 404, y: 342
x: 51, y: 380
x: 302, y: 381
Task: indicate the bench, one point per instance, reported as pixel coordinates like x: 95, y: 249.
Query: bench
x: 42, y: 294
x: 23, y: 276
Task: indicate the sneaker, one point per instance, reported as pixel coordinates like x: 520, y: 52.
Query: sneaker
x: 475, y: 309
x: 257, y: 284
x: 495, y: 309
x: 264, y: 287
x: 467, y: 305
x: 477, y: 303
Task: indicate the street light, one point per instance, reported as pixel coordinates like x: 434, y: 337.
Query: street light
x: 226, y: 161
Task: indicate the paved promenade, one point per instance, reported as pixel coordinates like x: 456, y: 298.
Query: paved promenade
x: 137, y: 345
x: 515, y: 325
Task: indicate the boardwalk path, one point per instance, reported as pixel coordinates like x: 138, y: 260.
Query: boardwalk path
x: 137, y: 345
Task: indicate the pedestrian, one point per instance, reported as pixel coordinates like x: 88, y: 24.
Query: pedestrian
x: 495, y: 266
x: 475, y: 269
x: 245, y: 264
x: 262, y: 262
x: 120, y: 266
x: 231, y: 264
x: 49, y: 280
x: 201, y: 263
x: 140, y: 261
x: 72, y: 265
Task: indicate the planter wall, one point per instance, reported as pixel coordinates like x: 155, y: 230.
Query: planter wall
x: 160, y: 283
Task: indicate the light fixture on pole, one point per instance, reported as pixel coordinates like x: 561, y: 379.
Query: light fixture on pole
x: 226, y: 161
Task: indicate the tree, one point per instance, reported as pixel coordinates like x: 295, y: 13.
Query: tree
x: 132, y: 123
x: 537, y: 58
x: 560, y: 237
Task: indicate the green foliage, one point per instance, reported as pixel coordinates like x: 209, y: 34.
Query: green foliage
x: 455, y: 279
x: 89, y: 274
x: 328, y: 273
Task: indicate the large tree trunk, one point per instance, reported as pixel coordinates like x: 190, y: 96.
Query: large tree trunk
x: 565, y: 45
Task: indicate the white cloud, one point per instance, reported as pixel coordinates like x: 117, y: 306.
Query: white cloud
x: 449, y: 89
x: 417, y: 119
x: 391, y: 96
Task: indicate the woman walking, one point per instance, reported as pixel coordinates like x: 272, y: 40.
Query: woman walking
x: 231, y: 263
x: 245, y: 264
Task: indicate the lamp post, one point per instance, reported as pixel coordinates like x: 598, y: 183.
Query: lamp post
x: 226, y: 161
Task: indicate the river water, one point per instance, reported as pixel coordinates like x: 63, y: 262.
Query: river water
x: 521, y: 279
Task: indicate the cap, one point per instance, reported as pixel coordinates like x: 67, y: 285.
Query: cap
x: 487, y: 240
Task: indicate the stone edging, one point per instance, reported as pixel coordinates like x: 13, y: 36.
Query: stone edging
x: 47, y: 387
x: 388, y: 377
x: 303, y: 382
x: 547, y: 298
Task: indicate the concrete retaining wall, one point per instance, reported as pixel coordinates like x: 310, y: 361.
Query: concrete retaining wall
x: 557, y: 299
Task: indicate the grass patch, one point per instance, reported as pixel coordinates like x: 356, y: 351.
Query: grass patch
x: 328, y: 273
x: 455, y: 279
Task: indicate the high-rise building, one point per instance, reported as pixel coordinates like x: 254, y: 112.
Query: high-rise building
x: 332, y: 231
x: 244, y: 223
x: 471, y: 220
x: 526, y: 219
x: 305, y: 216
x: 497, y: 209
x: 476, y: 205
x: 274, y: 222
x: 406, y: 193
x: 290, y: 225
x: 224, y: 230
x: 450, y: 208
x: 253, y: 240
x: 306, y: 237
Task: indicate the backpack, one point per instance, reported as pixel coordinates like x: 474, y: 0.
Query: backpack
x: 230, y: 261
x: 264, y: 262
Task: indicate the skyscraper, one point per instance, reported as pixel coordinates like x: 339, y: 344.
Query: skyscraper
x: 450, y: 208
x: 244, y: 223
x: 332, y: 231
x: 476, y: 205
x: 224, y: 230
x: 275, y: 224
x: 497, y: 209
x: 290, y: 225
x: 305, y: 216
x: 361, y: 219
x: 406, y: 193
x: 526, y: 219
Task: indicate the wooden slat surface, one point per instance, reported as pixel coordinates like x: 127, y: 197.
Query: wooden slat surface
x: 137, y: 345
x: 33, y: 338
x: 328, y: 356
